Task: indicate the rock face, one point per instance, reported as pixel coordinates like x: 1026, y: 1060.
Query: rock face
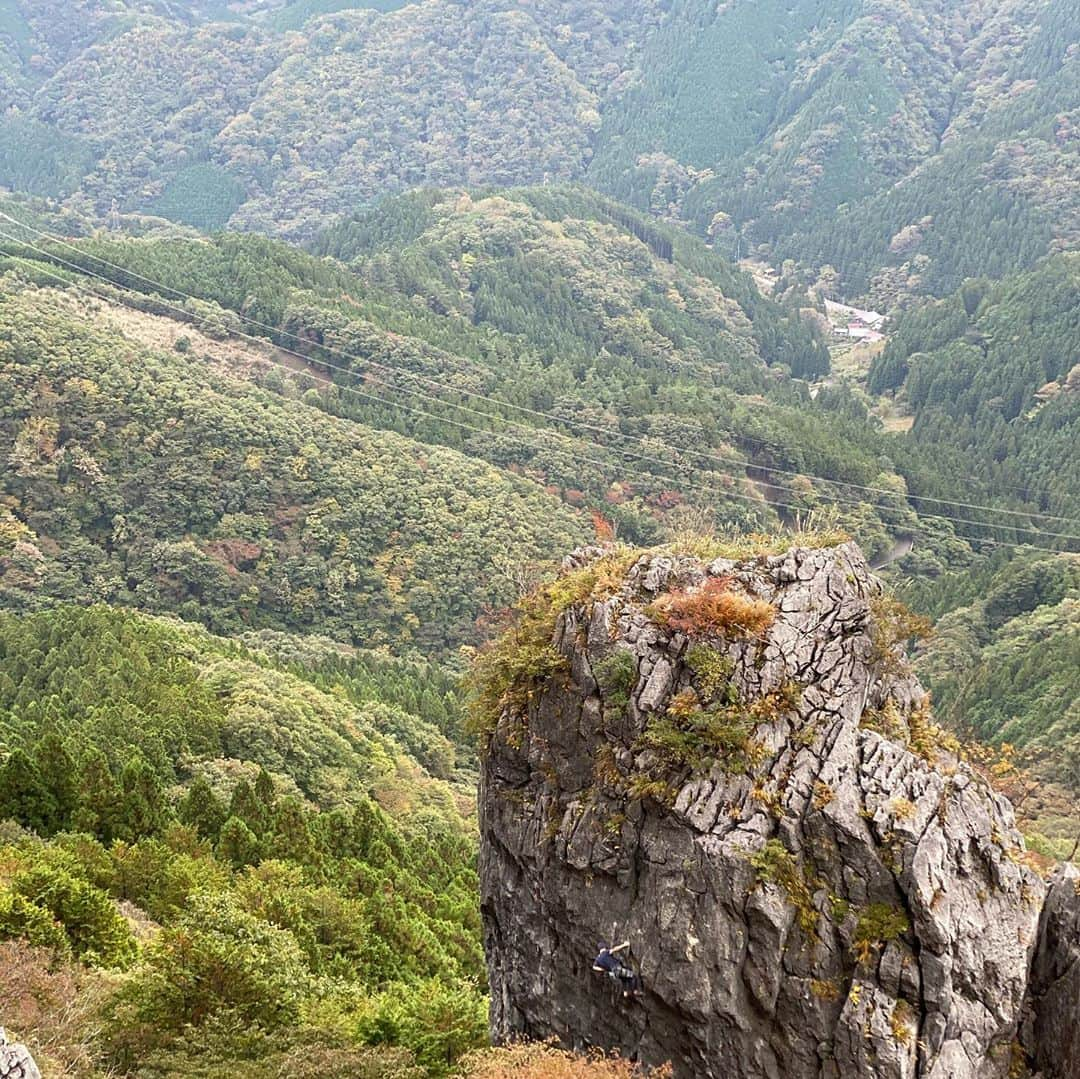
x: 16, y: 1061
x: 1052, y: 1026
x: 810, y: 884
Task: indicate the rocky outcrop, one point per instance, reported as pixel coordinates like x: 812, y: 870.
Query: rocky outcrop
x: 729, y: 765
x: 15, y: 1060
x: 1052, y: 1025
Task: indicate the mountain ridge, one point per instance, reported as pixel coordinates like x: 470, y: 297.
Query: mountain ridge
x: 828, y: 143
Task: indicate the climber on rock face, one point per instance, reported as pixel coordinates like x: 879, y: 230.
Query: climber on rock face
x: 608, y: 962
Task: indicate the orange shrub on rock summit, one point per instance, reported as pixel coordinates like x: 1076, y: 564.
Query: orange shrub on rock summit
x: 713, y: 610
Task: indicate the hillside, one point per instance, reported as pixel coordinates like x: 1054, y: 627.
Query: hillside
x: 539, y: 330
x: 1003, y: 668
x: 176, y: 114
x: 990, y: 375
x: 908, y: 146
x: 149, y: 477
x: 447, y: 520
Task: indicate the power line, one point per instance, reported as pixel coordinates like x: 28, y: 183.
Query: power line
x: 573, y: 454
x: 549, y: 418
x: 531, y: 430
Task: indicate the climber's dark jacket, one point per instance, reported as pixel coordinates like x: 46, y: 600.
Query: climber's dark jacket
x: 607, y: 963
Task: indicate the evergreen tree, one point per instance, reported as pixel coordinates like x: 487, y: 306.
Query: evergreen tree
x: 57, y: 771
x: 248, y: 807
x: 98, y: 797
x: 23, y: 794
x: 143, y: 811
x: 292, y: 836
x: 264, y: 790
x: 238, y: 844
x: 202, y: 809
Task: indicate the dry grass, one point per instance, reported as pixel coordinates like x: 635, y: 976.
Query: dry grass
x: 898, y: 424
x: 53, y: 1008
x: 745, y: 547
x: 547, y: 1061
x: 235, y: 356
x: 713, y: 610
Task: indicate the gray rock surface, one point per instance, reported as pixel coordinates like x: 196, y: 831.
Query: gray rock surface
x: 16, y: 1061
x: 822, y: 901
x: 1052, y: 1022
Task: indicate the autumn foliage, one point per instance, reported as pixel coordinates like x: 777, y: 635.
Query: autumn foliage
x: 713, y: 610
x: 546, y: 1061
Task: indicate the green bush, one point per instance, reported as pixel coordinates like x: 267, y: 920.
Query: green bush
x: 96, y: 930
x: 21, y: 919
x: 438, y: 1021
x: 217, y: 960
x: 616, y: 675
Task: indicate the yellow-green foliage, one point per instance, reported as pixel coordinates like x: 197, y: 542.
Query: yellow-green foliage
x: 886, y: 721
x: 925, y: 737
x: 700, y: 739
x: 771, y: 706
x: 878, y: 924
x: 642, y: 786
x: 902, y: 1022
x: 775, y: 864
x: 918, y: 731
x: 605, y: 769
x: 826, y: 989
x: 839, y: 909
x: 684, y: 704
x: 740, y: 548
x: 713, y: 670
x: 893, y: 624
x: 507, y: 672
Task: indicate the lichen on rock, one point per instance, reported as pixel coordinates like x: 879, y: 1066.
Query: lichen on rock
x: 728, y: 763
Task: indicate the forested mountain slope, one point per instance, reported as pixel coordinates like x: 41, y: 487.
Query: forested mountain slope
x: 614, y: 361
x: 991, y: 375
x: 259, y: 502
x: 254, y: 844
x: 204, y: 122
x: 907, y: 145
x: 151, y: 477
x: 1005, y: 666
x: 664, y: 372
